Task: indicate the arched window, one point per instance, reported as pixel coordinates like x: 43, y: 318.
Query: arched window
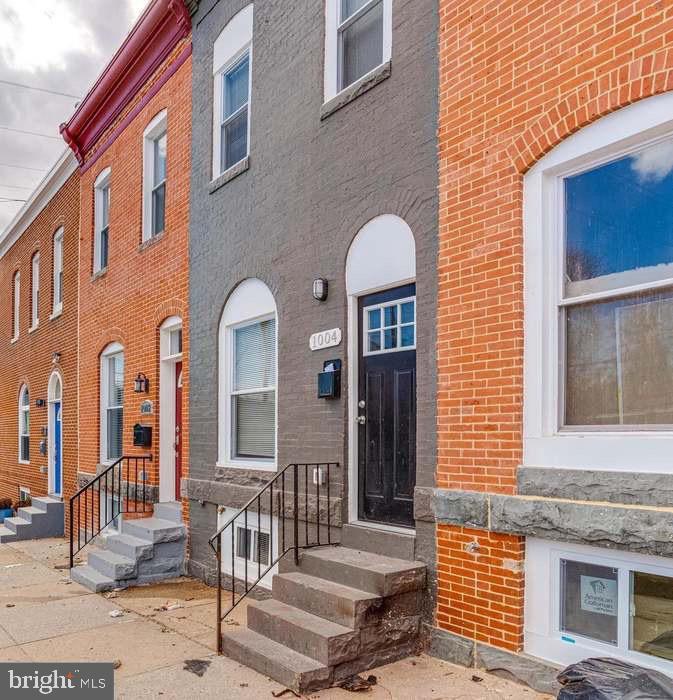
x: 232, y: 54
x: 247, y: 370
x: 55, y: 389
x: 111, y: 403
x: 24, y: 425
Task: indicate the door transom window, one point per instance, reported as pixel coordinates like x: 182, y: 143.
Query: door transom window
x: 390, y: 327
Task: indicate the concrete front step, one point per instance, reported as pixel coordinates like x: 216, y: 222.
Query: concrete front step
x: 6, y: 535
x: 384, y: 542
x: 48, y: 503
x: 307, y: 634
x: 169, y: 511
x: 92, y: 579
x: 374, y: 573
x: 17, y: 525
x: 44, y: 518
x: 154, y: 530
x: 112, y: 565
x: 343, y: 605
x: 129, y: 546
x: 289, y: 668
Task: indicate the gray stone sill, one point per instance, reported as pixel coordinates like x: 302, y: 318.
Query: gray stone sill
x: 151, y: 241
x: 228, y: 175
x: 359, y: 87
x: 98, y: 275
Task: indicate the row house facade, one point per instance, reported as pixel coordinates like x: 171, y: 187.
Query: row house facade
x: 385, y: 275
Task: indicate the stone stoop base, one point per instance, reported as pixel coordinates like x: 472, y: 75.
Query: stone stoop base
x: 520, y: 668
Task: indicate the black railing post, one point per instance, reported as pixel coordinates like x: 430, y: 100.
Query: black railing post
x: 72, y: 556
x: 296, y: 514
x: 219, y: 594
x: 318, y: 474
x: 329, y: 509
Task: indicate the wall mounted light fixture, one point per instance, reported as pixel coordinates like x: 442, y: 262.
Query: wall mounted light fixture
x: 141, y: 385
x: 320, y: 287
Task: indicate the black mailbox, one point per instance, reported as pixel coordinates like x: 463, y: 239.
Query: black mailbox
x: 329, y: 380
x: 142, y: 435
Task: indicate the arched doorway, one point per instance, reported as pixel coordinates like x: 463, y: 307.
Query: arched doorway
x: 170, y: 409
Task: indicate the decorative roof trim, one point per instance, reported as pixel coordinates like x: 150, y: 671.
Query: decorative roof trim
x: 52, y: 182
x: 163, y: 24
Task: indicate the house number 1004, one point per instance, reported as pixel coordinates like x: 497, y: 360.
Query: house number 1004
x: 325, y: 339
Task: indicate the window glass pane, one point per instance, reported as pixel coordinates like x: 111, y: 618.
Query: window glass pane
x: 260, y: 552
x: 390, y: 338
x: 235, y: 140
x: 619, y: 361
x: 619, y: 221
x: 348, y: 7
x: 374, y: 318
x: 255, y: 355
x: 25, y: 448
x: 390, y: 316
x: 158, y: 209
x: 175, y: 342
x: 116, y: 380
x: 243, y: 542
x: 255, y: 425
x: 407, y: 312
x: 652, y: 614
x: 589, y: 600
x: 159, y: 159
x: 375, y: 341
x: 25, y: 398
x: 104, y: 245
x: 105, y: 206
x: 236, y: 87
x: 114, y: 432
x: 362, y: 45
x: 407, y: 337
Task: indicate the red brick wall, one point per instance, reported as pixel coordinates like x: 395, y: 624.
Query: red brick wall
x: 143, y: 285
x: 515, y: 79
x: 29, y: 359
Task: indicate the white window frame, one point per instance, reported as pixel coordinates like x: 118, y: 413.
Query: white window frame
x: 35, y: 291
x: 57, y: 273
x: 230, y: 47
x: 543, y: 636
x: 333, y: 29
x: 154, y: 130
x: 251, y: 302
x: 382, y: 306
x: 110, y: 350
x: 102, y: 182
x: 267, y: 524
x: 16, y: 305
x: 24, y: 409
x: 546, y: 442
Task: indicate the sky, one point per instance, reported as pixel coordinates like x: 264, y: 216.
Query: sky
x: 58, y: 45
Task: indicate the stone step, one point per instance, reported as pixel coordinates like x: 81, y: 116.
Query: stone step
x: 93, y: 580
x: 112, y: 565
x: 307, y: 634
x: 169, y: 566
x: 17, y: 525
x: 129, y: 546
x: 285, y: 666
x: 6, y: 535
x: 384, y: 576
x: 387, y: 543
x: 171, y: 510
x: 153, y: 529
x: 48, y: 503
x: 343, y: 605
x: 27, y: 513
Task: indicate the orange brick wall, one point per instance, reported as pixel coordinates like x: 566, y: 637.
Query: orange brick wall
x: 29, y: 360
x: 480, y: 593
x: 143, y: 285
x: 516, y: 77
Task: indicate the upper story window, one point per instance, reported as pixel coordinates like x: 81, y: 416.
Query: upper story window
x: 599, y: 296
x: 232, y: 57
x: 358, y: 39
x: 16, y: 304
x: 248, y: 349
x: 35, y: 291
x: 101, y: 240
x: 112, y: 403
x: 57, y: 252
x: 24, y: 425
x: 154, y: 177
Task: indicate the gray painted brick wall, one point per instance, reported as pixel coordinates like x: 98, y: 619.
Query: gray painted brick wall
x: 292, y: 215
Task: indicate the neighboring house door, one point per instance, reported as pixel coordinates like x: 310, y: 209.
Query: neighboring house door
x: 387, y: 406
x: 178, y: 428
x: 58, y: 472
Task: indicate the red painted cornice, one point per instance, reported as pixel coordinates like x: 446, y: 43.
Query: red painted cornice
x: 163, y: 24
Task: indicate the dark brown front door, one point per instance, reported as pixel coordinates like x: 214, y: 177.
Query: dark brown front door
x: 387, y: 406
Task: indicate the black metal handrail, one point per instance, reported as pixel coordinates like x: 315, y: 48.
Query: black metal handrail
x: 126, y: 491
x: 287, y: 505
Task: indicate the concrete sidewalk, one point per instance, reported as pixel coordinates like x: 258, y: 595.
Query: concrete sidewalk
x: 165, y: 638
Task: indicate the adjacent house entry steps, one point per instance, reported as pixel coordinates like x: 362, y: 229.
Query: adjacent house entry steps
x: 144, y: 550
x: 339, y: 611
x: 44, y: 518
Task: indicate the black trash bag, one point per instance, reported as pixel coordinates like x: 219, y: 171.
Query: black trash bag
x: 612, y: 679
